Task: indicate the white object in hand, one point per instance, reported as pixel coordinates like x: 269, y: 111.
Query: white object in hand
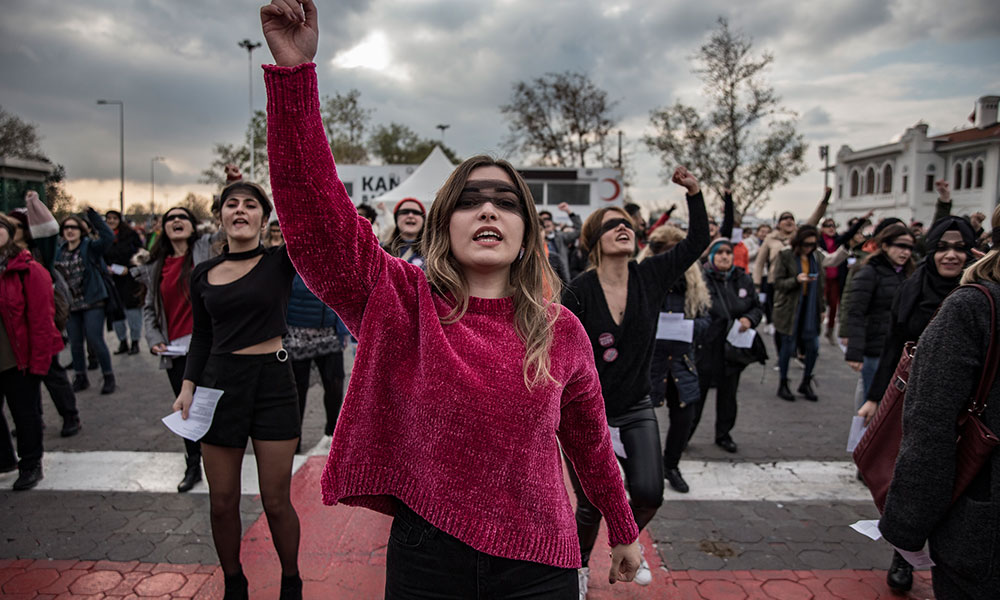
x: 673, y: 326
x: 857, y: 430
x: 200, y: 415
x: 741, y: 339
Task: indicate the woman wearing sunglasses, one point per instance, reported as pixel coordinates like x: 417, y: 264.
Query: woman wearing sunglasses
x: 872, y: 290
x: 457, y: 432
x: 81, y: 259
x: 404, y: 242
x: 618, y: 301
x: 167, y: 309
x: 798, y: 307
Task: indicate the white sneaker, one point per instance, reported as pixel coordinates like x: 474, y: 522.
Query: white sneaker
x: 643, y: 576
x: 582, y: 579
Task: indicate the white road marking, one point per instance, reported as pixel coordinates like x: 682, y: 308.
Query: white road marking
x: 159, y: 472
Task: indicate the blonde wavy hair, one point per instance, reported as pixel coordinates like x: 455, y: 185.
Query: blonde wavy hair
x: 988, y: 267
x: 697, y: 299
x: 536, y: 286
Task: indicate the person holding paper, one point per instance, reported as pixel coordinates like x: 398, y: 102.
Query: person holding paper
x: 238, y: 304
x: 944, y: 375
x: 468, y: 377
x: 167, y: 312
x: 734, y: 302
x: 798, y: 307
x: 118, y: 258
x: 618, y: 301
x: 673, y: 377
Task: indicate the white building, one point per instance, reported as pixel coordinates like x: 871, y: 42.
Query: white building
x: 897, y: 179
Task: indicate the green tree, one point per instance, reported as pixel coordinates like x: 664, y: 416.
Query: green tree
x: 20, y: 139
x: 240, y: 155
x: 560, y: 118
x: 397, y: 144
x: 743, y: 140
x: 346, y: 122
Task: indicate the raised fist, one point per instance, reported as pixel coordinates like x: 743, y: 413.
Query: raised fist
x: 232, y: 173
x: 684, y: 178
x: 943, y: 190
x: 291, y: 30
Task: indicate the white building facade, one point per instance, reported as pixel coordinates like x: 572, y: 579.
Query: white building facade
x: 897, y: 180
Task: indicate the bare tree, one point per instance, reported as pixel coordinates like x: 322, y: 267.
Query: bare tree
x: 240, y: 155
x: 560, y: 119
x: 346, y: 122
x: 744, y: 140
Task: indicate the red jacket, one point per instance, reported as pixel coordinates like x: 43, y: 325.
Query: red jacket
x: 32, y: 333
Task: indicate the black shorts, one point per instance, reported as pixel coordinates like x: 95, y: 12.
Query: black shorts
x: 259, y: 399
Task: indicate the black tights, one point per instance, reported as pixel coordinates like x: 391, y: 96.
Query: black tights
x: 679, y: 431
x: 643, y: 475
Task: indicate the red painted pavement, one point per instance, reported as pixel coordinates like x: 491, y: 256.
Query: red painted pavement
x: 342, y: 556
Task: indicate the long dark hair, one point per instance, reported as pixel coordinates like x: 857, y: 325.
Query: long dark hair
x: 162, y: 248
x: 885, y: 238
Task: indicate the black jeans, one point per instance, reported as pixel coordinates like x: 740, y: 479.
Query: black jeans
x: 423, y: 562
x: 192, y: 450
x: 681, y: 423
x: 57, y: 383
x: 331, y: 374
x: 643, y: 468
x: 725, y: 405
x: 23, y: 393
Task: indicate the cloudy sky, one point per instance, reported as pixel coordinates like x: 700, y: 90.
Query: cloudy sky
x: 857, y: 72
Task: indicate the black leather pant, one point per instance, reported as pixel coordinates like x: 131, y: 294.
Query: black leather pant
x: 643, y: 468
x: 192, y: 450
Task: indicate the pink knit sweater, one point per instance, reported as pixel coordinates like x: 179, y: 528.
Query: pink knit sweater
x: 436, y: 415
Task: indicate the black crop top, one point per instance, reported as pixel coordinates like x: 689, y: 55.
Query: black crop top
x: 241, y: 313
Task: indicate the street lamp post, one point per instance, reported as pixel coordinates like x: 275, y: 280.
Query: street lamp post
x: 250, y: 47
x: 442, y: 127
x: 121, y: 149
x: 152, y: 175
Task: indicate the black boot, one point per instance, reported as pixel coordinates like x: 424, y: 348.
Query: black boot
x: 80, y: 382
x: 192, y: 474
x: 237, y: 587
x: 122, y: 347
x: 676, y: 481
x: 805, y: 388
x: 71, y: 426
x: 28, y: 478
x: 134, y: 349
x: 109, y: 384
x: 784, y: 393
x: 291, y: 588
x: 900, y: 575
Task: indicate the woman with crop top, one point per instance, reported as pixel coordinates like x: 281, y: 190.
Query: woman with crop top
x: 238, y: 301
x: 467, y: 379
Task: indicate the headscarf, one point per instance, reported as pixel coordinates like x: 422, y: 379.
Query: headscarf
x: 926, y: 289
x: 710, y: 265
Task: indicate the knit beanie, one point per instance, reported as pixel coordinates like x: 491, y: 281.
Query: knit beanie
x: 719, y: 243
x: 400, y: 203
x: 41, y: 223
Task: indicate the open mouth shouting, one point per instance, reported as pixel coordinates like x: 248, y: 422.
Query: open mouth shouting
x: 488, y: 236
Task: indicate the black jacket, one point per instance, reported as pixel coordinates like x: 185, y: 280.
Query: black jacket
x: 732, y: 298
x: 868, y: 318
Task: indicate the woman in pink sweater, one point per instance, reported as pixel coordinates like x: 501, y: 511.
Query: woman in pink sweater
x: 468, y: 378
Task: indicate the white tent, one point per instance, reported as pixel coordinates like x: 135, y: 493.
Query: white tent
x: 424, y: 183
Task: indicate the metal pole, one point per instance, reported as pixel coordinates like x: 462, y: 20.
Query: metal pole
x: 442, y: 127
x: 152, y: 184
x: 250, y: 47
x: 619, y: 149
x: 121, y: 148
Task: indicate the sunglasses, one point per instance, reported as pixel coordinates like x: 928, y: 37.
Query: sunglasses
x: 829, y: 225
x: 908, y: 247
x: 175, y: 217
x: 809, y: 245
x: 723, y: 251
x: 67, y: 227
x: 409, y: 211
x: 472, y: 200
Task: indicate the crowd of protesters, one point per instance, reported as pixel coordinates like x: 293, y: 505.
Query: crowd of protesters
x: 597, y: 322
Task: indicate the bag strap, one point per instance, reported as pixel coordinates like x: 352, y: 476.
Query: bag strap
x: 989, y: 374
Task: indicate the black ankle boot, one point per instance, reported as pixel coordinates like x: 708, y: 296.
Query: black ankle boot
x: 291, y: 587
x: 192, y: 475
x: 122, y: 347
x: 900, y: 575
x: 134, y: 349
x: 237, y: 587
x: 80, y: 382
x: 676, y: 480
x: 109, y: 384
x: 784, y: 393
x: 805, y: 388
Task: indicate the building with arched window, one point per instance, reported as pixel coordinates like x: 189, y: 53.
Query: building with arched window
x: 897, y: 179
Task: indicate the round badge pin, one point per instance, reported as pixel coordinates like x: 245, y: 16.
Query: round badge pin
x: 606, y: 339
x: 610, y: 355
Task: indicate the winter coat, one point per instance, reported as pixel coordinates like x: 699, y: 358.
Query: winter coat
x: 676, y: 359
x: 559, y: 247
x: 306, y: 310
x: 964, y: 536
x: 92, y: 254
x: 733, y: 297
x: 33, y: 335
x: 121, y: 251
x: 869, y: 308
x: 788, y: 291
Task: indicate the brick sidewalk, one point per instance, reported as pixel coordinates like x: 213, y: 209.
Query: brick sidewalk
x: 342, y: 556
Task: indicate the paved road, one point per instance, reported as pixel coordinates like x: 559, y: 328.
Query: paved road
x: 784, y: 502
